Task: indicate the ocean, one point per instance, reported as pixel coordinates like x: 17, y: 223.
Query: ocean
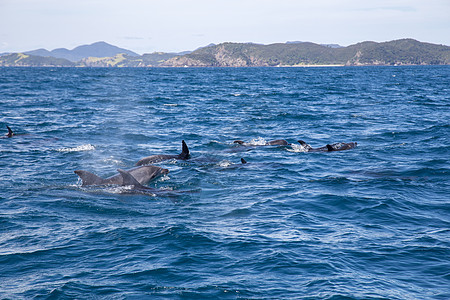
x: 371, y: 222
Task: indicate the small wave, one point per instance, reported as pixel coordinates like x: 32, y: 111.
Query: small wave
x: 86, y: 147
x: 212, y: 142
x: 170, y: 104
x: 239, y: 212
x: 396, y: 145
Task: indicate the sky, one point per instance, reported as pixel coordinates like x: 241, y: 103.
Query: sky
x: 179, y: 25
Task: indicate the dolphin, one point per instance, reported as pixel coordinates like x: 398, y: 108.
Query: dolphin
x: 9, y: 134
x: 138, y: 188
x: 308, y: 148
x: 328, y: 147
x: 271, y: 143
x: 130, y: 180
x: 161, y: 157
x: 142, y: 174
x: 342, y: 146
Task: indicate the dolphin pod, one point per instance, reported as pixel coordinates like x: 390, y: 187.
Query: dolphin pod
x: 141, y: 174
x: 308, y: 148
x: 128, y: 179
x: 125, y: 178
x: 137, y: 176
x: 329, y: 147
x: 161, y: 157
x: 144, y: 172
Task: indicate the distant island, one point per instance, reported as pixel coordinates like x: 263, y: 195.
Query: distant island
x: 290, y: 54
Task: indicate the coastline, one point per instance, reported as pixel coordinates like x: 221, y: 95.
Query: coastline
x: 401, y: 52
x: 313, y: 66
x: 224, y: 67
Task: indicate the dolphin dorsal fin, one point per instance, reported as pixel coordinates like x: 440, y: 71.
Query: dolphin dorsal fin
x: 305, y: 145
x: 128, y: 179
x: 243, y: 161
x: 89, y: 178
x: 329, y: 147
x: 10, y: 132
x: 185, y: 151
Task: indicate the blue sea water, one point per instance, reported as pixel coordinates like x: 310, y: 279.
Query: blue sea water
x: 368, y: 223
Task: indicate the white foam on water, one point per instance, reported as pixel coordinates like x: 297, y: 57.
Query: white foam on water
x: 76, y: 185
x: 224, y: 163
x: 164, y: 178
x: 259, y: 141
x: 118, y: 189
x: 114, y: 161
x: 297, y: 148
x: 86, y: 147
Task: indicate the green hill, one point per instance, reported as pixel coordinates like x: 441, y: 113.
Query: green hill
x: 119, y: 60
x: 24, y: 60
x: 399, y: 52
x: 98, y: 49
x: 123, y: 60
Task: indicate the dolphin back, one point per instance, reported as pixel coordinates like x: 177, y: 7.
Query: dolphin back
x: 154, y: 159
x: 144, y: 174
x: 341, y: 146
x: 157, y: 158
x: 305, y: 145
x: 89, y: 178
x: 128, y: 179
x: 278, y: 142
